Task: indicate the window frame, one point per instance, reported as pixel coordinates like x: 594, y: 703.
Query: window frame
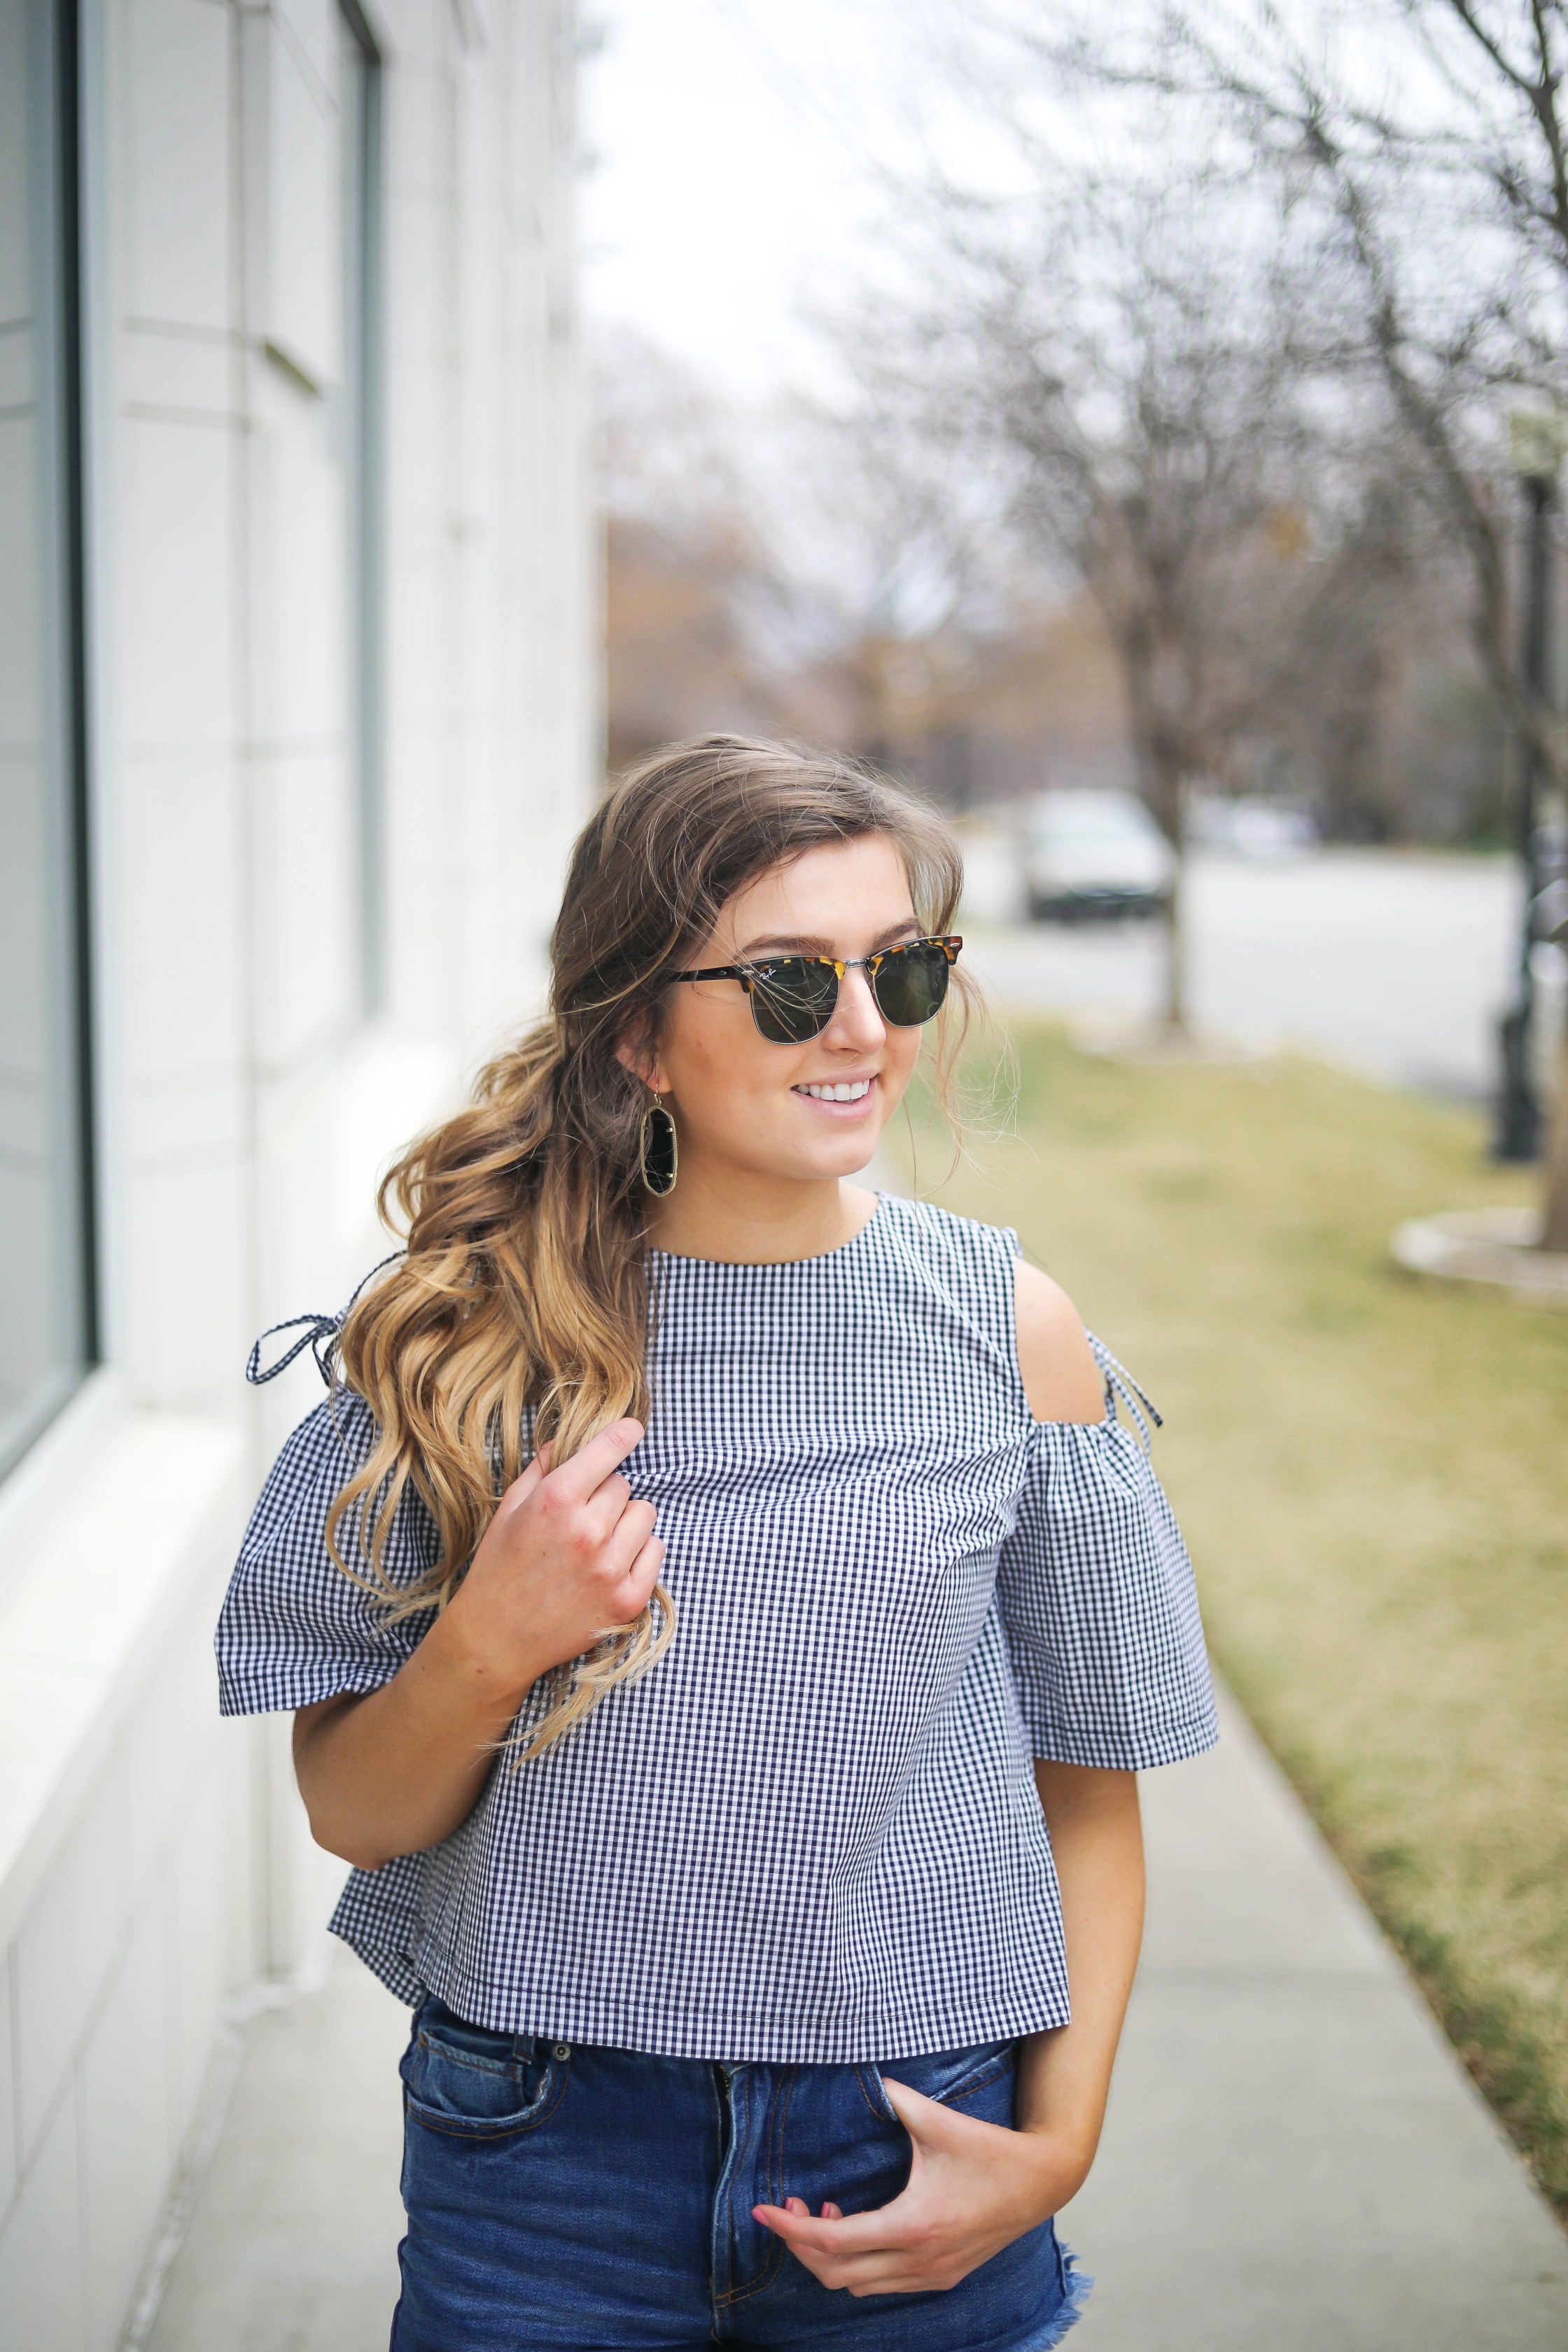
x: 363, y: 386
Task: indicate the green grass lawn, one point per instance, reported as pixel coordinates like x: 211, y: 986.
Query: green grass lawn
x: 1373, y: 1474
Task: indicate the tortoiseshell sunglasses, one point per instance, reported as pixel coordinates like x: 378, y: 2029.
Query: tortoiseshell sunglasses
x: 794, y: 997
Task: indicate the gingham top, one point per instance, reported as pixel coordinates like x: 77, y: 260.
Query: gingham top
x: 811, y: 1832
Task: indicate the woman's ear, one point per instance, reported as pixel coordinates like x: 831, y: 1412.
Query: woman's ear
x: 638, y: 1054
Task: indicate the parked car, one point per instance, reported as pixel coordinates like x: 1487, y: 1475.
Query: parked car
x: 1250, y: 826
x: 1088, y: 853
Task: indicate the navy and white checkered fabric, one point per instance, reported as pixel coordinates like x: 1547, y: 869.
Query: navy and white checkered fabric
x: 811, y: 1833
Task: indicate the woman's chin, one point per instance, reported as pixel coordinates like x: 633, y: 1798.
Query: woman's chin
x: 848, y: 1155
x: 835, y: 1149
x: 833, y: 1159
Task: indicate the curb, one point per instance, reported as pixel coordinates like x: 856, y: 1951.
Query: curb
x: 1498, y: 1247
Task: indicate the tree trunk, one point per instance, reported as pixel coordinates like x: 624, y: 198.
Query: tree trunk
x: 1154, y: 682
x: 1175, y: 946
x: 1555, y: 1235
x: 1163, y: 795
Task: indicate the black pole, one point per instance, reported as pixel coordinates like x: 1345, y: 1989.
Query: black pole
x: 1518, y: 1134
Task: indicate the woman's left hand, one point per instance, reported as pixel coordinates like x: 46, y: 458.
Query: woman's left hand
x: 972, y: 2189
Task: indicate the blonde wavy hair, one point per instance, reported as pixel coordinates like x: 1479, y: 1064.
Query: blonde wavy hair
x: 520, y: 1309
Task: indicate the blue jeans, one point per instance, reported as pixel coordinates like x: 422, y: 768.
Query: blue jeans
x: 569, y: 2198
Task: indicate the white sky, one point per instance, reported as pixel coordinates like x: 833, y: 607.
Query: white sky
x: 730, y: 183
x: 734, y: 145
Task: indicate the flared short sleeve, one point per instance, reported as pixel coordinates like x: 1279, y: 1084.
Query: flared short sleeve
x: 1097, y: 1596
x: 294, y: 1628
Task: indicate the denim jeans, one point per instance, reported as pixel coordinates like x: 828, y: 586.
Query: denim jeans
x: 565, y: 2197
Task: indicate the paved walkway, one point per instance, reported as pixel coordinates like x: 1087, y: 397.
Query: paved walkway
x: 1295, y: 2161
x: 292, y: 2245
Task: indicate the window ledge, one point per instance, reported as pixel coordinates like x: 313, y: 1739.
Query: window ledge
x: 36, y: 1487
x: 137, y: 1513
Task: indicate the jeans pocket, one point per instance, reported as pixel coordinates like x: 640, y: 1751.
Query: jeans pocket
x: 472, y: 2084
x: 979, y: 2080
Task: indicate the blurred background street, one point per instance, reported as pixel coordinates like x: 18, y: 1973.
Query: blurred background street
x: 1389, y: 963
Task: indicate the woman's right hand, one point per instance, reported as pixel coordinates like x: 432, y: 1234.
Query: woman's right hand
x: 568, y: 1557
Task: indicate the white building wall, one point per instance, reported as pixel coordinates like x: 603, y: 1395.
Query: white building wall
x: 152, y: 1863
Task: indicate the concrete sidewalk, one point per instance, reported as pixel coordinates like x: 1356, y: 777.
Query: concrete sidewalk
x: 1295, y: 2160
x: 292, y: 2245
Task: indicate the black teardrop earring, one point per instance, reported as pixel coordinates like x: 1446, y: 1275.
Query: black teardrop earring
x: 660, y: 1150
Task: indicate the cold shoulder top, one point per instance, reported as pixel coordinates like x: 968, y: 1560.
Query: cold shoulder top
x: 811, y: 1832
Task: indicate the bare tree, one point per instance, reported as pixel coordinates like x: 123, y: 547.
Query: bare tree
x: 698, y: 603
x: 1464, y: 128
x: 1443, y: 322
x: 1376, y: 596
x: 1121, y: 382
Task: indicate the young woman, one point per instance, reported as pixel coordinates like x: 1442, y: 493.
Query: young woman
x: 724, y: 1617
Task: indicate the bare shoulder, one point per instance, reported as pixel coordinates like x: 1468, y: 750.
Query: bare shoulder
x: 1060, y: 1375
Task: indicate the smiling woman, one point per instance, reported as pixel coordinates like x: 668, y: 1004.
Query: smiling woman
x: 725, y: 1617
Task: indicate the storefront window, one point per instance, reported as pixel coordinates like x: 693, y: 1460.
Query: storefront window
x: 48, y: 1336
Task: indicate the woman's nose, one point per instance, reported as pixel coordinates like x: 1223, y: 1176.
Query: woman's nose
x: 856, y: 1021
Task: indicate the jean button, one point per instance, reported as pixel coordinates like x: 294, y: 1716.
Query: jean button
x: 561, y: 2050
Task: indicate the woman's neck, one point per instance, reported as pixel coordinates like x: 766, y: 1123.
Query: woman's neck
x: 739, y: 1218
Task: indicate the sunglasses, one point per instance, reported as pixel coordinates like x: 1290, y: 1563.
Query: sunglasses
x: 794, y: 997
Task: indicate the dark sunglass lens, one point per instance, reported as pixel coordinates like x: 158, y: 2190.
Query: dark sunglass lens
x: 793, y: 1000
x: 911, y: 985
